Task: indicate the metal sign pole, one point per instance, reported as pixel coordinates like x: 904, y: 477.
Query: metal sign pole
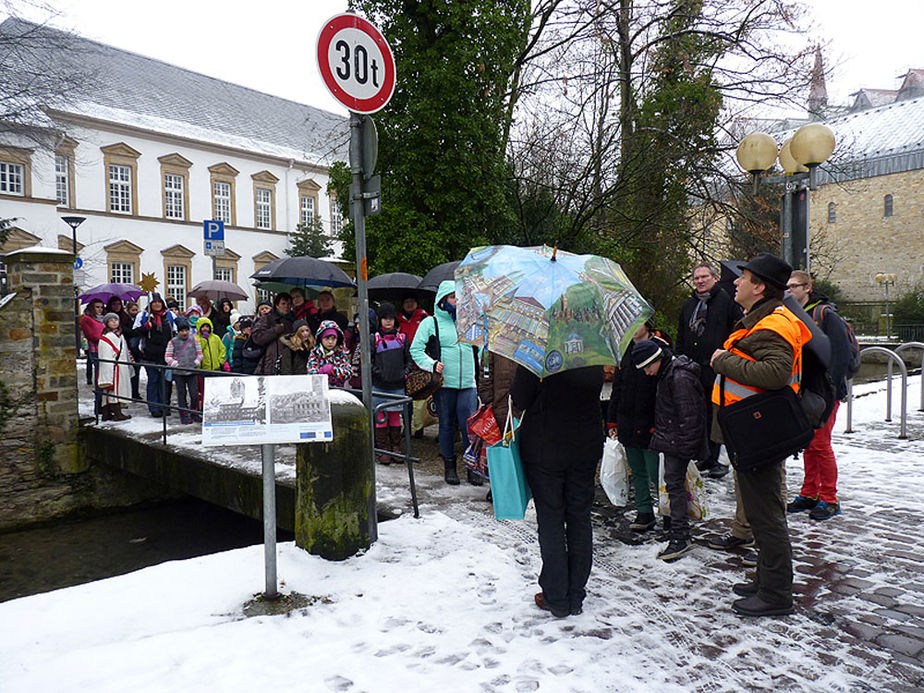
x: 269, y: 519
x: 362, y: 276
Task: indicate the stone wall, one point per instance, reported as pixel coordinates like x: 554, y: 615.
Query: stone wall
x: 863, y: 242
x: 43, y: 474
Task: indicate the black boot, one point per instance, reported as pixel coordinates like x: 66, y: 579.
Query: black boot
x: 449, y: 473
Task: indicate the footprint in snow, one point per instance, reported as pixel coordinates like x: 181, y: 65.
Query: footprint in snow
x: 338, y: 683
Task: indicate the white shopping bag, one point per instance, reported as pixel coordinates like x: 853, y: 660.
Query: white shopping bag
x: 614, y: 473
x: 696, y: 492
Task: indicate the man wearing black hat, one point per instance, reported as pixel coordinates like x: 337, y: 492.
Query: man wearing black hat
x: 764, y: 353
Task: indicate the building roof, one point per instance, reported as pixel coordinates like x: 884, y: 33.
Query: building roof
x: 137, y: 91
x: 870, y: 98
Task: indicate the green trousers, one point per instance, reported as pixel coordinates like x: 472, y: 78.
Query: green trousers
x: 644, y: 465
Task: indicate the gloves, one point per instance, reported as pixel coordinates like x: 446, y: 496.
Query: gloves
x: 326, y: 369
x: 226, y: 367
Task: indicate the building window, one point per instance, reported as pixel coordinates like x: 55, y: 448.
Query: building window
x: 62, y: 180
x: 336, y: 218
x: 222, y: 201
x: 11, y: 178
x: 176, y: 284
x: 264, y: 200
x: 121, y: 167
x: 173, y: 196
x: 122, y: 272
x: 120, y: 189
x: 832, y: 213
x: 307, y: 213
x: 225, y: 274
x: 887, y: 206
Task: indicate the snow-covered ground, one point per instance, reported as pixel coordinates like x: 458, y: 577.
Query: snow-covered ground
x: 444, y: 603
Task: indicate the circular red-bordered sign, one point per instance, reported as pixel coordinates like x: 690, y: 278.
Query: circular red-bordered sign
x: 356, y: 63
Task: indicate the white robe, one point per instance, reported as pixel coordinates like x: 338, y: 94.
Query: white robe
x: 116, y: 376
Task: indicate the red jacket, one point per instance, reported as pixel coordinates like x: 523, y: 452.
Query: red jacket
x: 409, y: 325
x: 92, y: 330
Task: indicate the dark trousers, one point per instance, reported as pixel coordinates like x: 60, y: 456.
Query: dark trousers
x: 765, y: 507
x: 93, y: 376
x: 675, y: 479
x: 563, y: 499
x: 155, y: 391
x: 454, y: 407
x: 187, y: 384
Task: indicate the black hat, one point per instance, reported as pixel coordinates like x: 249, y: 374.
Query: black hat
x: 770, y: 268
x: 645, y: 352
x: 386, y: 310
x: 172, y: 303
x: 244, y: 323
x: 299, y: 324
x: 181, y: 323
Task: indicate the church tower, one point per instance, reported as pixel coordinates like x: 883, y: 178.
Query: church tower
x: 818, y: 93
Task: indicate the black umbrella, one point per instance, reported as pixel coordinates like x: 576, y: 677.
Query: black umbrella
x: 731, y: 270
x: 287, y: 272
x: 393, y: 286
x: 440, y: 273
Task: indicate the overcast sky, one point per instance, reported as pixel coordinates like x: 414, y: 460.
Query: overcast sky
x: 270, y: 45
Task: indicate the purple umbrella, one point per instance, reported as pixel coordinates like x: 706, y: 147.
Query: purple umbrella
x: 103, y: 292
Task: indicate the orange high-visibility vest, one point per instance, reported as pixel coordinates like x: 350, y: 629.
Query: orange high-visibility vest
x: 789, y: 327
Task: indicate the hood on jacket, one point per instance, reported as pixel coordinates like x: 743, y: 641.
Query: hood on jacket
x: 329, y: 325
x: 446, y: 287
x: 202, y: 322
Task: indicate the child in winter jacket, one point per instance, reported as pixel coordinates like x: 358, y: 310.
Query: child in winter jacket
x: 329, y: 356
x: 391, y: 362
x: 213, y: 351
x: 184, y: 351
x: 679, y: 430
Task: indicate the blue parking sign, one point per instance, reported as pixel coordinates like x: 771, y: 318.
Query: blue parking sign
x: 214, y: 230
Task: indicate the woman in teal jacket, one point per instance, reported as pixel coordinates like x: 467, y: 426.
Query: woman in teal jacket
x: 457, y: 399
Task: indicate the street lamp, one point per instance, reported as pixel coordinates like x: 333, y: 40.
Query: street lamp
x: 800, y: 156
x: 74, y: 222
x: 885, y: 281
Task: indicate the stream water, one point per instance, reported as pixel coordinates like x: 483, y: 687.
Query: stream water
x: 74, y: 552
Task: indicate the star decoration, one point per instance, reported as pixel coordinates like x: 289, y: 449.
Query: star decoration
x: 149, y: 282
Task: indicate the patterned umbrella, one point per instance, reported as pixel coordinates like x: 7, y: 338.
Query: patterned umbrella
x: 547, y: 310
x: 103, y: 292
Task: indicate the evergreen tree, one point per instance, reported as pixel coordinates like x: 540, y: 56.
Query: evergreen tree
x: 441, y: 138
x: 309, y: 239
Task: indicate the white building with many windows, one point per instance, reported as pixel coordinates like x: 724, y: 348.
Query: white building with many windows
x: 146, y: 152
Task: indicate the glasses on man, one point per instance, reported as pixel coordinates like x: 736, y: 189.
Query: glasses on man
x: 794, y: 286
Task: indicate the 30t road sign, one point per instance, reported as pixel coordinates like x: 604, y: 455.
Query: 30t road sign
x: 356, y: 63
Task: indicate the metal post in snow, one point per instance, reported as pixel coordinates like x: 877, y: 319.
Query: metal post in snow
x: 269, y: 519
x: 357, y: 213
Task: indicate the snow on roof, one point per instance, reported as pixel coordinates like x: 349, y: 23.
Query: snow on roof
x: 152, y: 94
x: 38, y: 249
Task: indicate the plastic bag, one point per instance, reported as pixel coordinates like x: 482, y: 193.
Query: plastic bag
x: 696, y: 492
x: 614, y: 472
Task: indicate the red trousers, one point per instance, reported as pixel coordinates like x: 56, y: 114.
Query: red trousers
x: 820, y: 465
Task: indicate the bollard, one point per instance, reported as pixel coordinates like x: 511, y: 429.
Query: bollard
x: 335, y: 501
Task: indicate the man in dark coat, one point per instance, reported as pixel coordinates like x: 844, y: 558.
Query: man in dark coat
x: 706, y: 320
x: 327, y: 310
x: 269, y: 328
x: 679, y: 430
x: 560, y: 445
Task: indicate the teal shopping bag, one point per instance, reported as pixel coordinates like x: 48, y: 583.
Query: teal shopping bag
x: 509, y: 489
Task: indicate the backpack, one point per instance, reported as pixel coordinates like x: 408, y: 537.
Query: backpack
x: 853, y: 362
x: 816, y: 390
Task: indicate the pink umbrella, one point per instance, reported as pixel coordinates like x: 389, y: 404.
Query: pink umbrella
x: 103, y: 292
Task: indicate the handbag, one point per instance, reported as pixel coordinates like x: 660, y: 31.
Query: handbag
x: 419, y: 383
x: 509, y: 488
x: 695, y: 488
x: 614, y: 473
x: 763, y: 428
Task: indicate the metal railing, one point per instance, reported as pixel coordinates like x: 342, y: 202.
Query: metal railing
x: 891, y: 356
x: 165, y: 407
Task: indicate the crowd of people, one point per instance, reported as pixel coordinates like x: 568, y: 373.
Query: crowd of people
x: 661, y: 403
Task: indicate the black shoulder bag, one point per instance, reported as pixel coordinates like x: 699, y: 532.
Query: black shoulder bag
x: 764, y: 428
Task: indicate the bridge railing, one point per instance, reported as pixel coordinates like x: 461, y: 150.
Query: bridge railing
x: 390, y: 400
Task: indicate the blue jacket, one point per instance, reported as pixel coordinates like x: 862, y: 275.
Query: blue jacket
x: 458, y: 358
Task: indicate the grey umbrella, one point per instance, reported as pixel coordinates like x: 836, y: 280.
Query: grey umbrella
x: 217, y: 288
x: 286, y: 272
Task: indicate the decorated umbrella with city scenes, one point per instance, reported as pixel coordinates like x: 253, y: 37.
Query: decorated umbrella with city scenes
x: 547, y: 309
